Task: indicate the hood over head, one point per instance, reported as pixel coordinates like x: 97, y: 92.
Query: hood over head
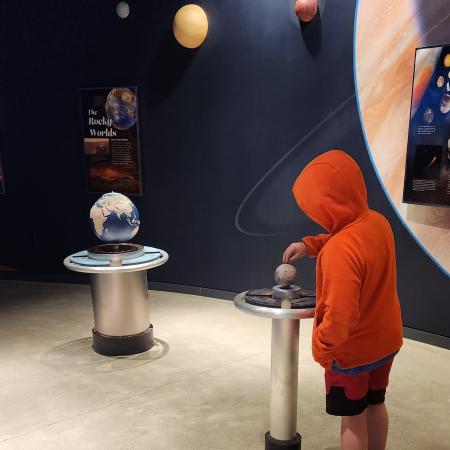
x: 331, y: 190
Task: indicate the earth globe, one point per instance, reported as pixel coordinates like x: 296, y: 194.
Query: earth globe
x: 114, y: 218
x: 121, y: 108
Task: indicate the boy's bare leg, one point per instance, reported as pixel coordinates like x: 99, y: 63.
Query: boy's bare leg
x: 377, y: 426
x: 354, y: 432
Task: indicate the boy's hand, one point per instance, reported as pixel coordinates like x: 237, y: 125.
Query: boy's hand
x: 295, y: 251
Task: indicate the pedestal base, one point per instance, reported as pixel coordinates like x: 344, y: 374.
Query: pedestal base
x: 122, y: 345
x: 275, y: 444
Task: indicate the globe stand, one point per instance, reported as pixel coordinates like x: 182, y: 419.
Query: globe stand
x: 115, y: 253
x: 118, y: 276
x: 106, y: 251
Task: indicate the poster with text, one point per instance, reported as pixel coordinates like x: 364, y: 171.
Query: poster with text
x: 110, y: 139
x: 427, y: 176
x: 2, y: 177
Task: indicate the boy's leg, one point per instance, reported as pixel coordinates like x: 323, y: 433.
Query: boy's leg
x: 347, y: 396
x: 377, y: 415
x: 377, y: 426
x: 354, y: 432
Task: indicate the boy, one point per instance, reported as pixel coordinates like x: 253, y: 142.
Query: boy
x: 357, y: 323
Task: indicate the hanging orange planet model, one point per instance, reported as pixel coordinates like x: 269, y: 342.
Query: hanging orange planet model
x: 306, y: 10
x: 190, y: 26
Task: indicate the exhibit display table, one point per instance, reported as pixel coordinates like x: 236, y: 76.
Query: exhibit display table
x: 285, y: 306
x: 118, y: 279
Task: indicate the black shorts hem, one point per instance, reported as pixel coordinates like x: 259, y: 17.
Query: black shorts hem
x: 376, y: 397
x: 338, y: 404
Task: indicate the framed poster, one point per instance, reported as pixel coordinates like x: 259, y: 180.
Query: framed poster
x: 2, y: 178
x: 111, y: 140
x: 427, y: 175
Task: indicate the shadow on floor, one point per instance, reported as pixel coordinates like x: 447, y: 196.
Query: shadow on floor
x: 78, y: 356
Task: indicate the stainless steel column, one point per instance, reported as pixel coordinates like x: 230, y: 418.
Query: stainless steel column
x: 284, y: 384
x: 120, y: 303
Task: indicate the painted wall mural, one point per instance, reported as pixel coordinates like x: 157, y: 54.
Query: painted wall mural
x: 387, y: 33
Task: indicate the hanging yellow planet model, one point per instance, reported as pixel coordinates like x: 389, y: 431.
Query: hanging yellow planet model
x: 190, y: 26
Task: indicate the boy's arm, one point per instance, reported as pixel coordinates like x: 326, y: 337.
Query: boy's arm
x: 341, y: 285
x: 314, y: 244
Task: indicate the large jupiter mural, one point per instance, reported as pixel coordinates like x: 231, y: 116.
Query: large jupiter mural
x: 387, y: 35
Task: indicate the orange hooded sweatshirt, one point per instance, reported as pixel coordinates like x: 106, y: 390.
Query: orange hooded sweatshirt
x: 357, y: 319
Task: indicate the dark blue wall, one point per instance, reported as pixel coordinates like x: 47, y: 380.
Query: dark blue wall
x: 224, y: 132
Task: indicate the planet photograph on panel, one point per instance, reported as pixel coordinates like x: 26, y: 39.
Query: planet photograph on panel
x: 121, y: 108
x: 407, y: 35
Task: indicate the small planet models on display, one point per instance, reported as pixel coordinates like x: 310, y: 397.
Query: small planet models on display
x: 427, y: 172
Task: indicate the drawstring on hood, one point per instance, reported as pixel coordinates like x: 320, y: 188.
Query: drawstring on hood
x: 331, y: 191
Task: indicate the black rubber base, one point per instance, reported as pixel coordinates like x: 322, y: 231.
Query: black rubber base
x: 122, y: 345
x: 275, y: 444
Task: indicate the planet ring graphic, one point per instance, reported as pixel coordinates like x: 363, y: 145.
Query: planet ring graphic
x: 323, y: 141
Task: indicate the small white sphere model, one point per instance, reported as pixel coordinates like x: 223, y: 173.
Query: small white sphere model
x: 285, y: 275
x: 123, y: 10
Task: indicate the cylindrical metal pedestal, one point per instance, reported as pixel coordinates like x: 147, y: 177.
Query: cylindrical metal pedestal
x: 120, y: 303
x: 284, y: 386
x: 284, y: 379
x: 121, y: 315
x: 119, y: 295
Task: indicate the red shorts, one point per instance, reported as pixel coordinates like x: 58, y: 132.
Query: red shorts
x: 349, y: 395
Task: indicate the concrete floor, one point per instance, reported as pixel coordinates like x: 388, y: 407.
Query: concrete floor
x: 204, y: 386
